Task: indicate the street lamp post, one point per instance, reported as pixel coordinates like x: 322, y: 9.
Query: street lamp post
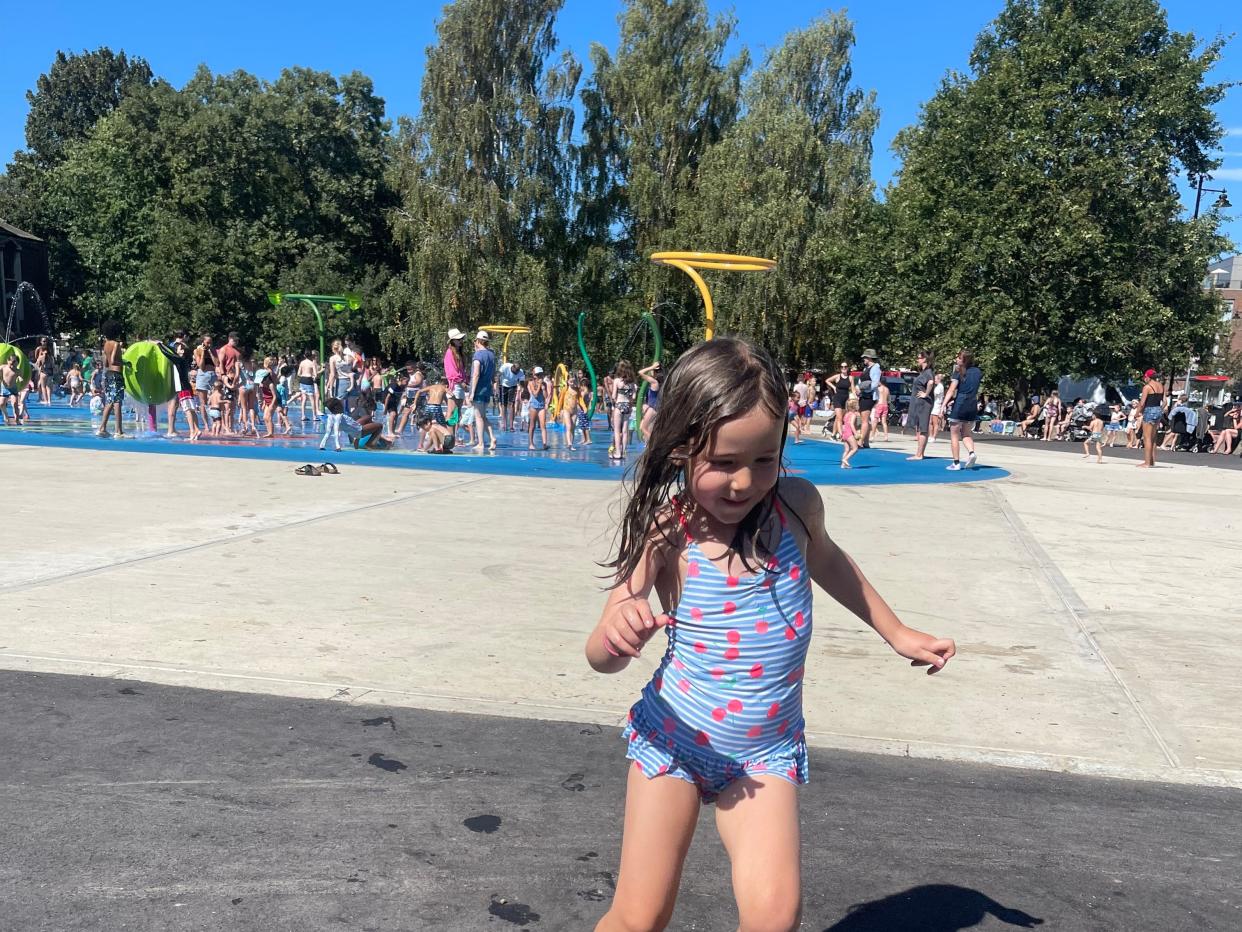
x: 1221, y: 202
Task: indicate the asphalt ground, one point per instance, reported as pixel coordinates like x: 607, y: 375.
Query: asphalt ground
x: 128, y: 805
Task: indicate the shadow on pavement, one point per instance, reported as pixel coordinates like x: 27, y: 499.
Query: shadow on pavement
x: 931, y: 908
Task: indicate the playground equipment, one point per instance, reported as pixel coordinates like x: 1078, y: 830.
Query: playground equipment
x: 508, y: 330
x: 23, y: 364
x: 338, y: 302
x: 688, y: 262
x: 586, y: 358
x: 147, y: 372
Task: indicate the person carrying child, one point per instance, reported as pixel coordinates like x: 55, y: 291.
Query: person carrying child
x: 730, y: 548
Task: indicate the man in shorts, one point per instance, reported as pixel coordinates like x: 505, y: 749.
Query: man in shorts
x: 961, y: 401
x: 511, y: 376
x: 482, y: 371
x: 9, y: 377
x: 868, y: 392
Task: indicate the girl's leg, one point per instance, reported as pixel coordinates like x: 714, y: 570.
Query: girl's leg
x: 530, y: 431
x: 543, y: 427
x: 757, y: 818
x: 660, y: 817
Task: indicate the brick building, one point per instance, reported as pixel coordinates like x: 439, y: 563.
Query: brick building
x: 1225, y: 279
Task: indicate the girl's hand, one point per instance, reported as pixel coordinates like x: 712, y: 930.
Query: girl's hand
x: 629, y: 626
x: 922, y: 650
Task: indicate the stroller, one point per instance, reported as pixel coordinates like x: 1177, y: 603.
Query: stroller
x: 1080, y: 424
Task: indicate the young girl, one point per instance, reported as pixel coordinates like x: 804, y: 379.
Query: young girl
x: 624, y: 390
x: 569, y: 412
x: 730, y: 548
x: 537, y: 409
x: 73, y: 382
x: 849, y: 432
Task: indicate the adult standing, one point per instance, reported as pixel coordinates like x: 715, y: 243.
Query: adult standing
x: 1152, y: 402
x: 482, y: 371
x: 961, y: 401
x: 42, y: 365
x: 205, y: 369
x: 839, y: 385
x: 455, y: 369
x: 228, y: 357
x: 511, y: 376
x: 114, y: 383
x: 919, y: 413
x: 340, y: 374
x: 868, y: 392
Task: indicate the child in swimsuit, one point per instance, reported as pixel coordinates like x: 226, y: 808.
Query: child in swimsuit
x: 730, y: 549
x: 583, y: 422
x: 850, y: 427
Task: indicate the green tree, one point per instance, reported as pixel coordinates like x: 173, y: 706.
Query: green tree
x: 1035, y: 217
x: 791, y: 180
x: 67, y: 102
x: 652, y: 111
x: 484, y: 180
x: 188, y: 206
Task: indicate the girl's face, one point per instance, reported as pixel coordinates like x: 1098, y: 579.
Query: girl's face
x: 739, y: 465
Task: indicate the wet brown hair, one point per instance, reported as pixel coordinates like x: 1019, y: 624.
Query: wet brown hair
x: 710, y: 384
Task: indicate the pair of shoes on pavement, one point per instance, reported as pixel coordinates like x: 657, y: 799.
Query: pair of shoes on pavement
x: 971, y: 462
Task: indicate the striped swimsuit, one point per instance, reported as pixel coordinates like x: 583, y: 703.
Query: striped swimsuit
x: 726, y: 700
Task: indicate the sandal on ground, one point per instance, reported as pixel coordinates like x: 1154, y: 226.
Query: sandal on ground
x: 308, y: 470
x: 330, y: 469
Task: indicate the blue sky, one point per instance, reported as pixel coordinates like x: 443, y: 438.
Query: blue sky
x: 904, y: 48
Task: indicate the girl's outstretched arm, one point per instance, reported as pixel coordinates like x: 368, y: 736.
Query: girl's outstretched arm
x: 838, y: 575
x: 627, y: 622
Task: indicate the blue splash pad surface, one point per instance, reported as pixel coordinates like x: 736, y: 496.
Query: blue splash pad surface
x: 816, y: 460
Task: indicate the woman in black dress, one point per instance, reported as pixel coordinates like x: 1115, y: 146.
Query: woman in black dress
x: 919, y: 415
x: 839, y: 385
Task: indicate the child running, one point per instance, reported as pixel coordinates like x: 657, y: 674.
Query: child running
x: 730, y: 548
x: 850, y: 428
x: 1097, y: 437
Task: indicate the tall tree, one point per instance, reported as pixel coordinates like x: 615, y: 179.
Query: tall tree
x: 484, y: 179
x: 791, y: 180
x: 67, y: 102
x: 1035, y: 217
x: 188, y: 206
x: 651, y: 113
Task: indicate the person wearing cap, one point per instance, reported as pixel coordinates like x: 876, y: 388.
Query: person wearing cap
x: 1152, y: 403
x: 868, y: 392
x: 482, y: 371
x: 455, y: 369
x: 511, y: 377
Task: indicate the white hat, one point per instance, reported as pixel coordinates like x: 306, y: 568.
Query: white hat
x: 538, y: 370
x: 455, y: 334
x: 483, y: 335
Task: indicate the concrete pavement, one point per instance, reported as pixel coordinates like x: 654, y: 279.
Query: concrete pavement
x: 1094, y: 606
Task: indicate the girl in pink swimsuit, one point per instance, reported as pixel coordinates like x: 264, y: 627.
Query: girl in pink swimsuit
x: 730, y: 548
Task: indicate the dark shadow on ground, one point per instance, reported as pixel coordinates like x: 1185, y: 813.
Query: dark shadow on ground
x: 932, y: 908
